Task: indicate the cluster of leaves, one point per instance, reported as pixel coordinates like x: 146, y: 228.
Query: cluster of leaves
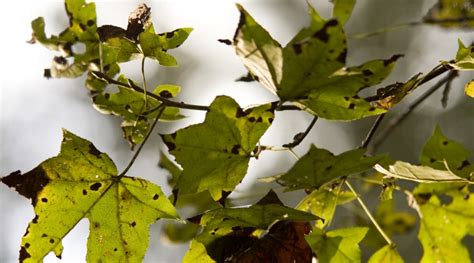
x: 310, y: 73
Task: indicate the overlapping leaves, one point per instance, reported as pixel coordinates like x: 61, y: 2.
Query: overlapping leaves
x: 215, y: 154
x: 137, y: 110
x: 81, y: 182
x: 106, y: 46
x: 232, y: 233
x: 310, y: 70
x: 442, y: 159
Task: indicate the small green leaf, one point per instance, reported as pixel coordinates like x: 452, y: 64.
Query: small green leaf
x: 451, y: 13
x: 81, y: 182
x: 464, y: 58
x: 387, y: 254
x: 179, y: 232
x: 343, y: 9
x: 319, y: 167
x: 215, y: 154
x: 310, y: 70
x: 323, y: 203
x: 443, y: 153
x: 337, y: 246
x: 156, y: 46
x: 392, y: 221
x: 136, y: 111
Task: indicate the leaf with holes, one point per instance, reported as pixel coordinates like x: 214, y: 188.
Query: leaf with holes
x: 319, y: 167
x: 340, y: 245
x: 451, y: 13
x: 137, y: 111
x: 446, y: 213
x: 81, y: 182
x: 233, y: 232
x: 323, y: 203
x: 215, y: 154
x: 311, y: 69
x: 156, y: 46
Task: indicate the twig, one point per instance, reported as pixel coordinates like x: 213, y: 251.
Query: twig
x: 372, y: 130
x: 300, y: 136
x: 168, y: 102
x: 397, y: 120
x: 145, y: 89
x: 367, y: 212
x: 384, y: 30
x: 164, y: 100
x: 134, y: 157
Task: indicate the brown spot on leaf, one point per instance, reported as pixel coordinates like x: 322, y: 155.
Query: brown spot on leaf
x: 44, y: 200
x: 367, y: 72
x: 28, y: 184
x: 133, y: 224
x: 90, y: 22
x: 235, y: 149
x: 445, y: 143
x: 137, y: 21
x: 84, y: 192
x: 166, y: 94
x: 464, y: 164
x: 155, y: 197
x: 95, y: 186
x: 351, y: 106
x: 432, y: 160
x: 94, y: 151
x: 241, y: 113
x: 251, y: 119
x: 23, y: 254
x: 391, y: 60
x: 35, y: 219
x: 51, y: 241
x: 297, y: 48
x: 342, y: 56
x: 259, y: 119
x: 322, y: 34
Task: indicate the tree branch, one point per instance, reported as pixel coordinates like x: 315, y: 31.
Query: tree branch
x: 134, y: 157
x: 300, y: 136
x: 372, y: 130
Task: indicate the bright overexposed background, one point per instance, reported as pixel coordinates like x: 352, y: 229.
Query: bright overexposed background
x: 34, y: 109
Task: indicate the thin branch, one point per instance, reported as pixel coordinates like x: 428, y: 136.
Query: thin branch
x: 164, y: 100
x: 145, y: 89
x: 372, y: 130
x: 300, y: 136
x: 386, y: 29
x: 367, y: 212
x: 134, y: 157
x: 395, y: 122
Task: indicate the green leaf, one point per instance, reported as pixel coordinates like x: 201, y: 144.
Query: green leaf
x: 215, y: 154
x: 339, y: 245
x: 81, y: 182
x: 171, y: 167
x: 451, y: 13
x: 392, y: 221
x: 323, y: 203
x: 155, y: 46
x: 387, y: 254
x: 443, y: 225
x: 443, y: 153
x: 464, y: 58
x: 179, y: 232
x: 343, y: 9
x: 442, y: 159
x: 319, y: 167
x: 136, y: 111
x: 469, y: 89
x: 197, y: 253
x: 310, y: 71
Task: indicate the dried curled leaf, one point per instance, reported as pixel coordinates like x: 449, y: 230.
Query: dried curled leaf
x: 82, y: 182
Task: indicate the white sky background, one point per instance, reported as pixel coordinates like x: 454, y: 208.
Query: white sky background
x: 33, y: 109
